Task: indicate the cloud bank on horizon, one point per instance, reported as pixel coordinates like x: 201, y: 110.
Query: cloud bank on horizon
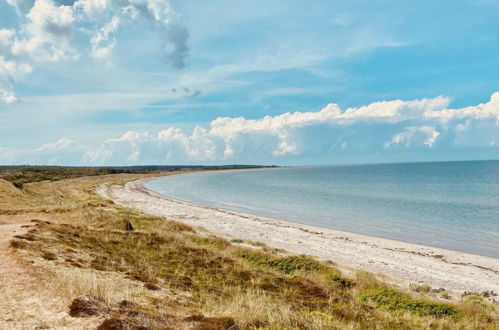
x: 125, y: 82
x: 385, y: 127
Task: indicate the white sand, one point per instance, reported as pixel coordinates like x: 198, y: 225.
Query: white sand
x: 402, y: 263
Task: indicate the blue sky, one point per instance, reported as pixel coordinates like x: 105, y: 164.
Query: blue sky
x: 100, y: 82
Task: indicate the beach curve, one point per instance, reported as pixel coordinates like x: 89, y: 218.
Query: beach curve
x: 399, y: 263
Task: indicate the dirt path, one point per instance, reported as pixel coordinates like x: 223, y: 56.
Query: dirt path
x: 25, y: 301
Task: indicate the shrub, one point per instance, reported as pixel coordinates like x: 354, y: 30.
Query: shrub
x: 216, y: 242
x: 49, y: 256
x: 257, y: 244
x: 151, y: 286
x: 445, y: 295
x: 423, y: 288
x: 237, y: 241
x: 341, y: 282
x: 285, y: 265
x: 17, y: 244
x: 87, y: 305
x: 393, y: 300
x: 477, y: 300
x: 366, y: 279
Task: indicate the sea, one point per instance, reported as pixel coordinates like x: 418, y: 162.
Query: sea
x: 450, y: 205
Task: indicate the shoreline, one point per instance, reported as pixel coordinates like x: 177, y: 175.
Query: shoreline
x: 400, y: 263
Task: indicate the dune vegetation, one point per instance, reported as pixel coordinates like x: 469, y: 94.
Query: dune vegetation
x: 130, y: 270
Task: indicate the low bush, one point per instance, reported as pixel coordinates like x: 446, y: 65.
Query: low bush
x: 393, y: 300
x: 285, y: 265
x: 340, y: 281
x: 479, y: 301
x: 422, y: 288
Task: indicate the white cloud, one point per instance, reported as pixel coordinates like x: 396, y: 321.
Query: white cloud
x: 10, y: 71
x: 61, y: 152
x: 480, y: 111
x: 91, y: 9
x: 46, y: 35
x: 406, y: 137
x: 61, y: 144
x: 378, y: 128
x: 170, y: 28
x: 102, y: 47
x: 47, y: 30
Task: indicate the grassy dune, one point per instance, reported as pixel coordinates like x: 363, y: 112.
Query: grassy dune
x: 146, y: 272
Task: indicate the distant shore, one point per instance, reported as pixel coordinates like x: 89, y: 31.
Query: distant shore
x: 400, y: 263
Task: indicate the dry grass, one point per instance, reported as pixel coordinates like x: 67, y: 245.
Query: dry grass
x: 165, y: 274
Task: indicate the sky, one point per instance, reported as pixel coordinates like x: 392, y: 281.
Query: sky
x: 284, y: 82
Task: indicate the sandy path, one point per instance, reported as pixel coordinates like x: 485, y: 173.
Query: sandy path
x: 404, y: 263
x: 24, y: 301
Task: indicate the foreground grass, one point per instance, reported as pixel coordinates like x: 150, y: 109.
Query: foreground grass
x: 153, y: 273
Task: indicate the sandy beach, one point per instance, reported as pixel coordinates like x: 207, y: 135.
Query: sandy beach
x: 400, y: 263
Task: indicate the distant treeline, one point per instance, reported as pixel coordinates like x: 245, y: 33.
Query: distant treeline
x: 20, y: 175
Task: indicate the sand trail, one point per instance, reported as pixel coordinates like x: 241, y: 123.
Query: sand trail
x: 25, y: 299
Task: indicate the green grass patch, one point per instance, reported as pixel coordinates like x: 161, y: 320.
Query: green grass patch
x: 216, y: 242
x: 422, y: 288
x: 285, y: 265
x: 392, y: 300
x: 478, y: 300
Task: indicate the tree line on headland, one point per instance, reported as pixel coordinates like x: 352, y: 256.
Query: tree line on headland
x: 20, y: 175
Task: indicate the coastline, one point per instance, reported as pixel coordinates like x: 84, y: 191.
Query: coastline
x: 399, y: 263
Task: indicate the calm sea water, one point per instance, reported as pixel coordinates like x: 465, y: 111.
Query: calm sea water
x: 452, y: 205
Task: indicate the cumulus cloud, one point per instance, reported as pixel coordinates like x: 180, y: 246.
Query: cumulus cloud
x: 172, y: 32
x: 47, y: 33
x: 387, y: 126
x: 48, y: 27
x: 480, y: 111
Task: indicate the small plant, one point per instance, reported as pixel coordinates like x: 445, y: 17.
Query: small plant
x: 237, y: 241
x: 213, y: 241
x: 366, y: 279
x: 258, y: 244
x: 445, y: 296
x: 341, y: 282
x: 151, y: 286
x: 423, y: 288
x: 18, y: 244
x: 49, y: 255
x: 87, y: 305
